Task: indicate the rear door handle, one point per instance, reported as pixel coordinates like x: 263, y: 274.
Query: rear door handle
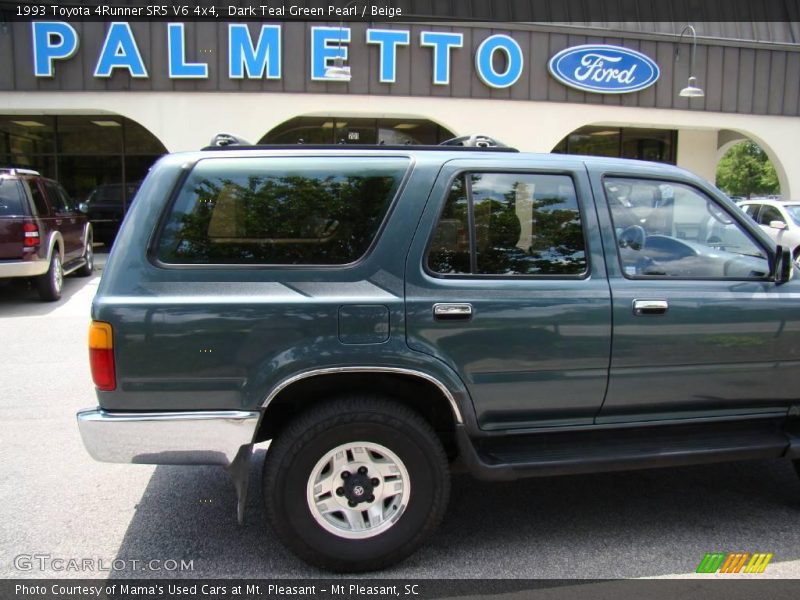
x: 450, y: 311
x: 650, y: 307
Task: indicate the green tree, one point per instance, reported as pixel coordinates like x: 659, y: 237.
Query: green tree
x: 746, y: 170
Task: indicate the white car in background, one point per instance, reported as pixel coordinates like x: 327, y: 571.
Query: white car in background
x: 780, y: 219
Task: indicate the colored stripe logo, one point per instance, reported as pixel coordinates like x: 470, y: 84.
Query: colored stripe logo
x: 734, y: 562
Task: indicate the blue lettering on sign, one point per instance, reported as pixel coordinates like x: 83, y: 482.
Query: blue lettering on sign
x: 52, y: 40
x: 178, y: 67
x: 485, y: 66
x: 326, y: 45
x: 120, y: 52
x: 388, y: 40
x: 441, y: 43
x: 263, y: 60
x: 595, y: 70
x: 604, y: 69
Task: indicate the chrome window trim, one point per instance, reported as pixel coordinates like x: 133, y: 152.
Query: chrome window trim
x: 362, y: 369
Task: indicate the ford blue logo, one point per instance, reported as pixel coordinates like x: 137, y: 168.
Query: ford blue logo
x: 604, y: 69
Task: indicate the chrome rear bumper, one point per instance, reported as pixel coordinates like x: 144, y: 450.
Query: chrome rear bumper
x: 23, y: 268
x: 167, y: 438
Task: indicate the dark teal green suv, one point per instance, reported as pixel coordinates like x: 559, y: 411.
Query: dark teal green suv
x: 378, y: 313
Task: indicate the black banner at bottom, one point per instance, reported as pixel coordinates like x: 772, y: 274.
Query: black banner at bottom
x: 701, y: 588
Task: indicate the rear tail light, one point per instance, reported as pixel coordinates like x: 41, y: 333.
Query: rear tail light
x: 31, y: 231
x: 101, y: 356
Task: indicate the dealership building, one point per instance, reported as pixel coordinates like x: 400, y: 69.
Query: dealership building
x: 95, y: 103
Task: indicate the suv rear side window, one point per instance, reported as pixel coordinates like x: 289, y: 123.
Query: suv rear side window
x: 280, y: 210
x: 524, y: 224
x: 11, y: 198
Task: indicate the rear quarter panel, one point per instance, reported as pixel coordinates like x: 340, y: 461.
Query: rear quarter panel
x: 221, y: 337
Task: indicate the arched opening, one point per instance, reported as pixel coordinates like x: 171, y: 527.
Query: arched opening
x: 357, y: 130
x: 100, y: 159
x: 659, y: 145
x: 744, y: 170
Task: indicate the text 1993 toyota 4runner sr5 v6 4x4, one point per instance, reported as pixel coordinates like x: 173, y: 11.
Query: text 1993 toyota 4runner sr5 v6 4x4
x: 377, y: 312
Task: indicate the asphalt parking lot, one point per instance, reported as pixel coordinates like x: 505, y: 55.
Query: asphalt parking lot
x: 58, y: 503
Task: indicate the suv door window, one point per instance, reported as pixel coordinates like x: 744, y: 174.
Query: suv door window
x: 669, y: 229
x: 59, y: 200
x: 751, y: 209
x: 523, y: 224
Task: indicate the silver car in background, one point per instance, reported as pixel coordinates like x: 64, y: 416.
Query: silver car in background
x: 780, y: 219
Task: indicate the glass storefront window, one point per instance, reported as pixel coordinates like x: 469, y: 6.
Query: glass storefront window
x: 89, y: 135
x: 80, y: 175
x: 348, y: 130
x: 139, y: 140
x: 648, y: 144
x: 401, y: 132
x: 46, y: 165
x: 88, y: 154
x: 594, y: 141
x: 621, y: 142
x: 26, y: 135
x: 356, y: 131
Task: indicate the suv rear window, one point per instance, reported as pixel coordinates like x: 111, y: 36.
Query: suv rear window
x: 280, y: 210
x: 11, y: 198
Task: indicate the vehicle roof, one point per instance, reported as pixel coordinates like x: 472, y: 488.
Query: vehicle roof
x: 770, y: 202
x: 442, y: 153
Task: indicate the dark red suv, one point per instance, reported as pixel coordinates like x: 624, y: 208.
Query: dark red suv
x: 43, y: 236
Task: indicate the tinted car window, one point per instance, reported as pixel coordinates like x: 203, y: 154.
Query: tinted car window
x: 668, y: 229
x: 794, y: 212
x: 11, y: 197
x: 751, y: 209
x: 285, y: 211
x: 58, y: 197
x: 38, y: 198
x: 769, y: 214
x: 449, y: 251
x: 524, y: 224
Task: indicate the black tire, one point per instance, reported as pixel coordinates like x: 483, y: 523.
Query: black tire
x: 88, y: 253
x: 294, y: 454
x: 51, y: 283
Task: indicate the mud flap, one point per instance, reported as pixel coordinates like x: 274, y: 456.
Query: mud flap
x: 239, y: 470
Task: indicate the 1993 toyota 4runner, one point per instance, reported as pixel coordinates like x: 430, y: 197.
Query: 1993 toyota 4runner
x: 379, y: 312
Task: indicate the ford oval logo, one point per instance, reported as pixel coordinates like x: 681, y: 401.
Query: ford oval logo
x: 604, y: 69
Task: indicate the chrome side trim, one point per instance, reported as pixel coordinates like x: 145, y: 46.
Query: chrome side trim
x: 167, y: 438
x: 398, y: 370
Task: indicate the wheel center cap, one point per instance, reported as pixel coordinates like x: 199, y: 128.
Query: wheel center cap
x: 358, y: 488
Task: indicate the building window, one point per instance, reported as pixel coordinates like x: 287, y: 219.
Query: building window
x: 348, y: 130
x: 657, y: 145
x: 88, y: 154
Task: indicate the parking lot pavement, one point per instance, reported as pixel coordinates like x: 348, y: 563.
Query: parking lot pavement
x: 58, y: 503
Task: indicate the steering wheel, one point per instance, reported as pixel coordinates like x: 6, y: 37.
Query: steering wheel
x: 633, y: 237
